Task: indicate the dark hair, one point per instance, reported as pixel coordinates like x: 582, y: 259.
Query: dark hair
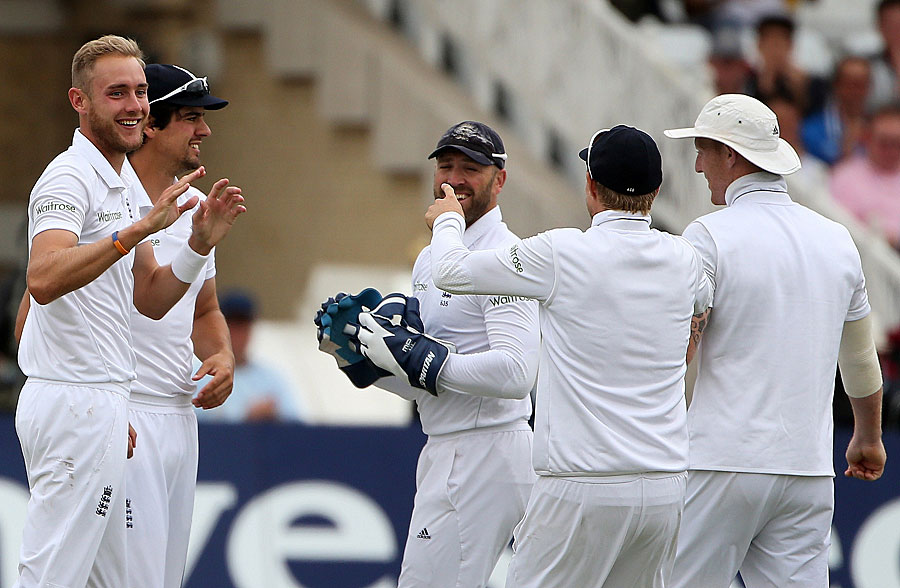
x: 885, y: 4
x: 162, y: 113
x: 781, y: 21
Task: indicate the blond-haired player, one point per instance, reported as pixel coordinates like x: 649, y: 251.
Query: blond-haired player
x: 87, y: 266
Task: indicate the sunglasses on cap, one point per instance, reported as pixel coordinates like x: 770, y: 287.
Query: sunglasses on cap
x: 194, y: 86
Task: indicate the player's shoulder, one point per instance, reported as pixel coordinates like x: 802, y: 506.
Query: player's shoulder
x: 569, y: 234
x: 679, y: 240
x: 499, y: 236
x: 826, y: 229
x: 68, y: 163
x: 69, y: 175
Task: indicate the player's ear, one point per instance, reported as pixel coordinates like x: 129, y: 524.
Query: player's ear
x: 150, y: 130
x: 79, y: 100
x: 731, y: 156
x: 500, y: 179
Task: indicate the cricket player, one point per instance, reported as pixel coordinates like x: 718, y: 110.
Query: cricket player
x: 790, y: 303
x: 474, y: 474
x: 162, y: 476
x: 616, y: 300
x: 88, y: 264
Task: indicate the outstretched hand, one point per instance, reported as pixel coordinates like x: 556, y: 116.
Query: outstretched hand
x: 215, y: 216
x: 166, y: 210
x: 448, y: 203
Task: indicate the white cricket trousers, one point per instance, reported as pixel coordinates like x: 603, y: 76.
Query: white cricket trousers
x: 74, y: 440
x: 774, y: 529
x: 471, y: 490
x: 161, y: 480
x: 591, y: 532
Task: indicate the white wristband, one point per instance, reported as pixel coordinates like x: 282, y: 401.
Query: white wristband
x: 188, y: 264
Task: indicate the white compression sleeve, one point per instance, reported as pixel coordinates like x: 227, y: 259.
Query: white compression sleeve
x: 858, y: 360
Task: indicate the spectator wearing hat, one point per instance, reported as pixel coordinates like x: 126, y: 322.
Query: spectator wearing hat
x: 161, y: 480
x: 789, y: 303
x: 835, y: 131
x: 868, y: 184
x: 261, y: 392
x: 474, y: 474
x: 610, y: 424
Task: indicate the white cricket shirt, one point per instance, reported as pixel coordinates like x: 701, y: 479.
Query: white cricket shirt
x: 786, y: 279
x: 82, y: 337
x: 616, y: 307
x: 497, y: 345
x: 164, y: 349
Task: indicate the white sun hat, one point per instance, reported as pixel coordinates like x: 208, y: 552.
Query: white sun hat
x: 749, y: 127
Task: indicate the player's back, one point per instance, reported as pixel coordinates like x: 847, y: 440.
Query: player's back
x: 786, y: 280
x: 614, y: 334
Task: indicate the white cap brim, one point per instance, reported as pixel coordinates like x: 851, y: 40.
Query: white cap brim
x: 782, y: 161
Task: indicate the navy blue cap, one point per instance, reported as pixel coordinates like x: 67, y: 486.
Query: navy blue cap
x: 625, y: 160
x: 475, y: 139
x: 172, y: 84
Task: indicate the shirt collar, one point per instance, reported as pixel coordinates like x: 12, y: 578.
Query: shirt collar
x: 606, y: 216
x: 482, y: 226
x: 771, y: 186
x: 83, y: 146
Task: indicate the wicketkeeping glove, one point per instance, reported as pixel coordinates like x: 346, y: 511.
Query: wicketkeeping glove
x: 392, y: 336
x: 331, y: 321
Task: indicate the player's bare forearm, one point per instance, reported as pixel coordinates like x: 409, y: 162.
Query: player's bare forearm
x: 698, y: 324
x: 212, y: 345
x: 210, y: 334
x: 58, y: 265
x: 866, y: 456
x: 156, y: 289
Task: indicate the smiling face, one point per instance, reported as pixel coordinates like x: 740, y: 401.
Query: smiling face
x: 179, y: 140
x: 476, y: 185
x: 113, y: 110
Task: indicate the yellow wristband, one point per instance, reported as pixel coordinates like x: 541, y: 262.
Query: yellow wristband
x: 118, y: 244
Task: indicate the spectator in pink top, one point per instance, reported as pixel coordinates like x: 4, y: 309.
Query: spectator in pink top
x: 869, y: 185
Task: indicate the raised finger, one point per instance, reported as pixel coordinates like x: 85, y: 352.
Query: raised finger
x: 217, y: 188
x: 196, y: 174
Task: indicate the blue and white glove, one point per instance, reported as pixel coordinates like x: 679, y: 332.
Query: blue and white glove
x: 392, y: 337
x: 331, y: 321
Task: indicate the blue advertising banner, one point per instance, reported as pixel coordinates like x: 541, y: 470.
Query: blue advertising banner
x: 290, y: 506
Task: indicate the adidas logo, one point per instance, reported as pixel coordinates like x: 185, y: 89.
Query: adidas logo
x: 423, y: 534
